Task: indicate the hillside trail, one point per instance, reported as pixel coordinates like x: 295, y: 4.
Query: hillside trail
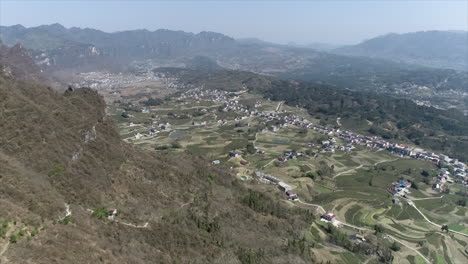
x: 366, y: 229
x: 279, y: 106
x: 67, y: 211
x: 145, y: 225
x: 3, y: 250
x: 427, y: 198
x: 391, y: 237
x: 266, y: 165
x: 360, y: 166
x: 255, y: 140
x: 133, y: 225
x: 432, y: 223
x: 348, y: 171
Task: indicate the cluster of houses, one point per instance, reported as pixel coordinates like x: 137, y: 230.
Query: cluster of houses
x: 230, y: 102
x: 400, y: 188
x: 444, y: 176
x: 291, y: 154
x: 97, y: 80
x: 283, y: 186
x: 153, y: 130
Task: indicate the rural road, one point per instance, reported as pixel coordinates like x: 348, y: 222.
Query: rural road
x: 366, y: 229
x: 412, y: 248
x: 316, y: 205
x: 430, y: 222
x: 393, y: 238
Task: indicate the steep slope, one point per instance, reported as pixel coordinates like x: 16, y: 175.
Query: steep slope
x: 16, y: 62
x: 439, y: 49
x: 61, y: 156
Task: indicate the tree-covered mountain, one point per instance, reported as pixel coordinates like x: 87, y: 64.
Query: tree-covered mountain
x: 438, y: 49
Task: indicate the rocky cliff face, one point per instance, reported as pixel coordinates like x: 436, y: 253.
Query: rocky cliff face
x: 16, y: 62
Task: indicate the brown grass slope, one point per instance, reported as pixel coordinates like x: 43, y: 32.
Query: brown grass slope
x: 61, y: 148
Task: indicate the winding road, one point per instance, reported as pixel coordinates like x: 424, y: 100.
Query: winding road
x: 366, y: 229
x: 432, y: 223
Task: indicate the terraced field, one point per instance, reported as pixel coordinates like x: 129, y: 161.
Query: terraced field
x: 353, y: 185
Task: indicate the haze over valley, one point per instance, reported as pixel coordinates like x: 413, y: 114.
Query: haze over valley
x: 165, y: 145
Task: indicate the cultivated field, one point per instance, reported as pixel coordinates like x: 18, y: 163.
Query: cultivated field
x: 350, y: 184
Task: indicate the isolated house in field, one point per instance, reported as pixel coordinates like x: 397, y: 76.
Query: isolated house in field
x: 234, y: 154
x: 244, y: 162
x: 360, y: 237
x: 328, y: 217
x: 138, y: 136
x: 216, y: 162
x: 291, y: 195
x: 404, y: 183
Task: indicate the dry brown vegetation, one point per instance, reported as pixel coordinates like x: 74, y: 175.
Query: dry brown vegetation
x: 58, y: 149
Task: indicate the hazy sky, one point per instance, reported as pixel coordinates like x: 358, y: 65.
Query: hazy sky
x: 339, y: 22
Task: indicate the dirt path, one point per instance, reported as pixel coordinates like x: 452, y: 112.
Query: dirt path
x: 366, y: 229
x: 409, y: 247
x: 132, y: 225
x: 315, y: 205
x: 67, y: 210
x: 255, y: 140
x: 279, y: 106
x: 4, y: 249
x: 348, y: 171
x: 427, y: 198
x: 360, y: 166
x: 432, y: 223
x: 264, y: 166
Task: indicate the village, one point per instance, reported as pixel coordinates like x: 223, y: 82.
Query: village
x: 282, y: 146
x: 229, y: 102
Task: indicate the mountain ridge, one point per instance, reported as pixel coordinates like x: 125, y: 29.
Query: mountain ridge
x: 433, y: 48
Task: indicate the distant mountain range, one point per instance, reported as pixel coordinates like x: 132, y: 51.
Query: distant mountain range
x: 319, y: 46
x: 59, y: 49
x: 57, y: 46
x: 438, y: 49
